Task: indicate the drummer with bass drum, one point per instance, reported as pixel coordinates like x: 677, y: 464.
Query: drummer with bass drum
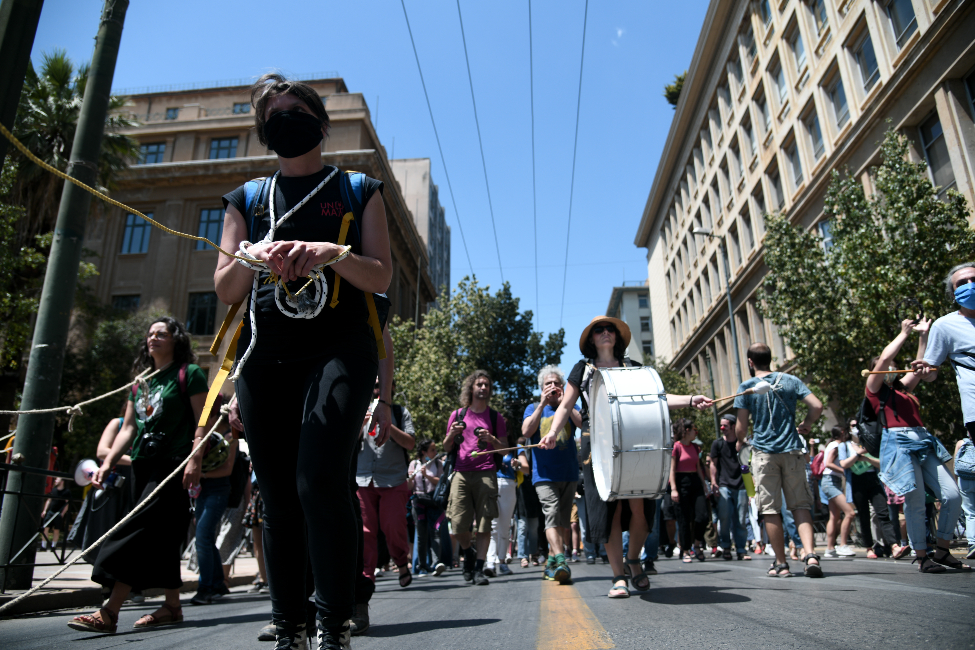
x: 603, y: 345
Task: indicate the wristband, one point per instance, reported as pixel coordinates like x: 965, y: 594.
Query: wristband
x: 382, y: 401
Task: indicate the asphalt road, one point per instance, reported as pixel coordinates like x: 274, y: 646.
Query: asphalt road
x: 715, y: 604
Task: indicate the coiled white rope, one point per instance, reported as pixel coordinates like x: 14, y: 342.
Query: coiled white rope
x: 223, y: 413
x: 296, y: 306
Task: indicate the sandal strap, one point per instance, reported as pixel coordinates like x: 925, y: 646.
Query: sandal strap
x: 810, y: 556
x: 619, y: 578
x: 636, y: 561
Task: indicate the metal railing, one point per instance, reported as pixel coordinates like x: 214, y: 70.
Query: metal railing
x: 223, y: 83
x: 61, y: 553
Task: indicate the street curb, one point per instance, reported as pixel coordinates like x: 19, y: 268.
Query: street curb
x: 91, y: 597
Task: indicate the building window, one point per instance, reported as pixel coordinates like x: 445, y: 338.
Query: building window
x: 734, y: 66
x: 172, y: 113
x: 202, y: 313
x: 826, y: 234
x: 136, y: 236
x: 151, y: 153
x: 211, y: 227
x: 748, y: 41
x: 223, y: 148
x: 734, y: 154
x: 795, y: 164
x: 837, y: 99
x: 706, y: 141
x: 747, y: 229
x: 706, y: 213
x: 763, y: 110
x: 798, y: 49
x: 715, y: 115
x: 125, y: 303
x: 734, y: 246
x: 815, y: 134
x: 970, y: 84
x: 765, y: 12
x: 902, y: 20
x: 778, y: 79
x: 644, y: 323
x: 866, y: 61
x: 819, y: 16
x: 936, y: 155
x: 775, y: 186
x: 647, y: 349
x: 241, y: 108
x: 759, y: 200
x: 643, y: 300
x: 748, y: 137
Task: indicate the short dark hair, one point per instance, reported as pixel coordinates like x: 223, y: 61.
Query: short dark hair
x: 467, y: 388
x: 182, y: 350
x: 837, y: 432
x: 422, y: 446
x: 272, y: 85
x: 761, y: 355
x: 619, y: 348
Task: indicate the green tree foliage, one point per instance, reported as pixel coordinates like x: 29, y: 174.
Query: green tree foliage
x: 471, y: 329
x: 676, y: 384
x: 837, y: 307
x: 672, y: 90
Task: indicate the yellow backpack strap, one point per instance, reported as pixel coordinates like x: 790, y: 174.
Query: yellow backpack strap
x: 374, y: 323
x: 218, y: 340
x: 343, y: 233
x: 225, y: 367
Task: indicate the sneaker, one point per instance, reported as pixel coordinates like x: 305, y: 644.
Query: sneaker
x: 202, y: 597
x: 137, y: 597
x: 669, y: 551
x: 590, y: 559
x: 769, y: 550
x: 335, y: 638
x: 439, y: 569
x: 219, y: 592
x: 716, y: 552
x: 726, y: 554
x: 480, y: 579
x: 268, y: 632
x: 549, y: 573
x: 290, y: 637
x: 489, y: 571
x: 562, y: 574
x: 648, y: 568
x: 831, y: 552
x: 256, y: 587
x: 468, y: 576
x: 971, y: 553
x: 359, y: 622
x: 503, y: 570
x: 845, y: 551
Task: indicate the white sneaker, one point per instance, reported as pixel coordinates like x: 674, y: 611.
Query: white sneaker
x: 439, y: 569
x: 769, y: 550
x: 844, y: 550
x: 503, y: 570
x: 831, y: 552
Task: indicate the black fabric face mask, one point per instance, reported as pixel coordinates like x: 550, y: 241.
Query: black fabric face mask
x: 292, y: 133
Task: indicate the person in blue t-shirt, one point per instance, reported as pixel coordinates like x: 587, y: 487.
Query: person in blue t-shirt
x: 778, y: 456
x: 555, y: 472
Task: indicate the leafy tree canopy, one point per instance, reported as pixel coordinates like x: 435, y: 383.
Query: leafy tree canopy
x: 836, y: 304
x: 472, y: 329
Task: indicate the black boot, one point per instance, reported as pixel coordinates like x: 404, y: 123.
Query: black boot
x: 470, y: 557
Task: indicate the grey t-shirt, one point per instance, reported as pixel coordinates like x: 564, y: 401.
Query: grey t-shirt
x: 951, y: 336
x: 384, y: 466
x: 774, y: 414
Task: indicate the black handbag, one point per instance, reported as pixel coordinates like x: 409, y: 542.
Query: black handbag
x: 871, y: 425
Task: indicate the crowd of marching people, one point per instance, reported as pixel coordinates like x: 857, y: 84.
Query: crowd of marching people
x: 335, y: 471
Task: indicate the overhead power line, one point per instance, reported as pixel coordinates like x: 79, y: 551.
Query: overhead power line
x: 531, y: 77
x: 470, y: 79
x: 437, y: 135
x: 575, y: 147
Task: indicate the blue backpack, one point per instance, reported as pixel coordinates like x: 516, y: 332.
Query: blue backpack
x: 965, y: 461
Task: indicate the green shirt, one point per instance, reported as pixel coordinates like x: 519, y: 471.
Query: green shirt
x: 167, y: 413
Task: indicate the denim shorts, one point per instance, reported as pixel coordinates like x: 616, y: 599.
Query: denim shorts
x: 833, y: 486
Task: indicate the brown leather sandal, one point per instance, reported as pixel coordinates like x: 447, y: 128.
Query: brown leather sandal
x: 175, y: 615
x: 96, y: 622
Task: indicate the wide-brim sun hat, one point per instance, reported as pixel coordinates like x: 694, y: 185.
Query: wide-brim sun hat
x: 621, y: 327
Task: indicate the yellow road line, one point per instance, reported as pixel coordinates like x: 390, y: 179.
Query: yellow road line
x: 565, y: 621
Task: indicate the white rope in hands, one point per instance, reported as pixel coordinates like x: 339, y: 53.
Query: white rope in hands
x: 224, y: 410
x: 292, y: 306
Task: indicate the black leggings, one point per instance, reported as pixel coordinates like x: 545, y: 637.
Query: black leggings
x: 692, y: 509
x: 867, y: 490
x: 302, y: 422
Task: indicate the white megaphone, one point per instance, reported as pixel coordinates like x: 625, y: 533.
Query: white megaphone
x: 84, y: 472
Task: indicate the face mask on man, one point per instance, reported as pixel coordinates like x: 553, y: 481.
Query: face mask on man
x: 292, y: 133
x: 965, y: 295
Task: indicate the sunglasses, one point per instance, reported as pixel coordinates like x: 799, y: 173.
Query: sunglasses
x: 964, y: 281
x: 599, y: 329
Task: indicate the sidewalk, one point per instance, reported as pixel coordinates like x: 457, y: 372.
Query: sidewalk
x: 74, y: 587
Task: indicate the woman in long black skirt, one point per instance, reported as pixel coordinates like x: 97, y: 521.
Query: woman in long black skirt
x: 144, y: 552
x: 603, y: 344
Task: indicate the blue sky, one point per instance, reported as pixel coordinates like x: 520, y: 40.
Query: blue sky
x: 633, y: 48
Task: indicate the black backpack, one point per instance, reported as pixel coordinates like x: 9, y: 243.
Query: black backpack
x: 870, y: 425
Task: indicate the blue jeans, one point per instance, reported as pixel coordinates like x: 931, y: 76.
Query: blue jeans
x: 210, y: 506
x: 732, y: 514
x: 931, y: 474
x: 967, y: 488
x: 527, y: 537
x: 651, y: 548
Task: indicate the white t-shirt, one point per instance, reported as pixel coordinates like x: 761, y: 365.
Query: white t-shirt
x: 951, y: 336
x: 842, y: 453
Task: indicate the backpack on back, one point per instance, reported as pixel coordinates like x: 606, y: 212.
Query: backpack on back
x: 870, y: 424
x: 818, y: 465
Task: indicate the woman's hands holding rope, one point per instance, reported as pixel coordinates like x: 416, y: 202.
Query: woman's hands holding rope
x: 291, y: 260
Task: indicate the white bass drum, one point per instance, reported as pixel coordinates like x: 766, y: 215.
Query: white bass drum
x: 630, y: 435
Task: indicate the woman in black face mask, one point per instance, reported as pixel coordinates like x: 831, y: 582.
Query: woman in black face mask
x: 308, y: 377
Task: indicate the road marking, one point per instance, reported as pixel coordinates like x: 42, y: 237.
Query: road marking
x: 565, y: 621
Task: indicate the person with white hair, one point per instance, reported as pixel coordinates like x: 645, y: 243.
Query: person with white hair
x: 555, y: 472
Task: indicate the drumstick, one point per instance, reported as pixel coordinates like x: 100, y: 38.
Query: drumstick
x: 498, y: 451
x: 865, y: 373
x: 760, y: 388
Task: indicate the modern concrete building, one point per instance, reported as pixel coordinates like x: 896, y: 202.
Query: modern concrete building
x: 631, y: 304
x: 197, y: 145
x: 780, y: 93
x: 423, y: 199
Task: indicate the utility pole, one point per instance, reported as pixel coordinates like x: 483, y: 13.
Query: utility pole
x: 32, y: 445
x: 18, y: 25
